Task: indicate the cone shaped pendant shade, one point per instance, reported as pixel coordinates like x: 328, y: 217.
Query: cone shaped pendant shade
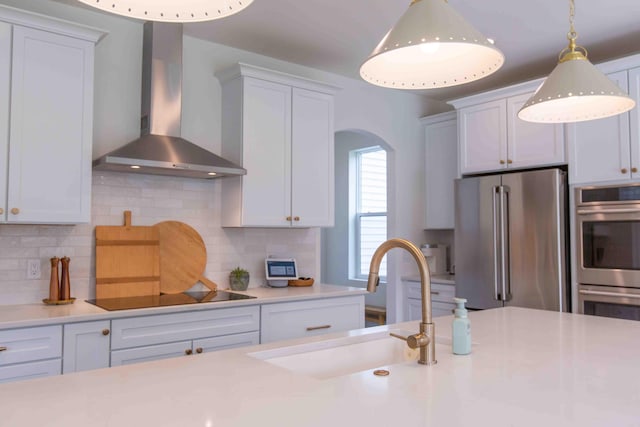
x: 431, y: 46
x: 171, y: 10
x: 575, y: 91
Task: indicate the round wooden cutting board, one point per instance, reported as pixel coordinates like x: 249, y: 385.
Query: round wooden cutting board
x: 183, y: 257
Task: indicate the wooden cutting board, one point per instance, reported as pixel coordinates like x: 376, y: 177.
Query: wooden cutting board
x: 183, y: 258
x: 127, y: 260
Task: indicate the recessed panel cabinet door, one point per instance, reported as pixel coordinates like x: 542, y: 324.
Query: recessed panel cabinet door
x: 483, y: 137
x: 5, y: 97
x: 86, y: 346
x: 312, y: 159
x: 634, y: 118
x: 50, y: 129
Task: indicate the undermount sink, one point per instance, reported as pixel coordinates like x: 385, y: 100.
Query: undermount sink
x: 344, y: 356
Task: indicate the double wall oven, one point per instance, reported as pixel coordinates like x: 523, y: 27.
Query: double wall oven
x: 608, y: 250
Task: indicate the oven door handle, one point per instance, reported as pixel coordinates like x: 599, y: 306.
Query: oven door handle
x: 609, y: 294
x: 607, y: 211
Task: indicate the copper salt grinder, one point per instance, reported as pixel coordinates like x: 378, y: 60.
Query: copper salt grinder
x: 54, y: 282
x: 65, y: 285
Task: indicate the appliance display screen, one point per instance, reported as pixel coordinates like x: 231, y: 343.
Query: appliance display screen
x: 281, y: 268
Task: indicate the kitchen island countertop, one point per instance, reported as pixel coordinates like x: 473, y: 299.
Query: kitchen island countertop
x: 527, y: 368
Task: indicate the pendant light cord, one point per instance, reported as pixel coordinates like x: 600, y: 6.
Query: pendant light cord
x: 573, y: 51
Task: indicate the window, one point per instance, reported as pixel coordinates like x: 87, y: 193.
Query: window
x: 371, y: 208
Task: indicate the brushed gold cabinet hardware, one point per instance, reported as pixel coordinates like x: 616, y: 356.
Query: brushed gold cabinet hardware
x: 15, y: 211
x: 315, y: 328
x: 1, y: 211
x: 199, y: 350
x: 3, y: 349
x: 296, y: 218
x: 105, y: 332
x: 623, y: 170
x: 188, y: 352
x: 509, y: 161
x: 288, y: 218
x: 633, y: 170
x: 435, y: 293
x: 502, y: 162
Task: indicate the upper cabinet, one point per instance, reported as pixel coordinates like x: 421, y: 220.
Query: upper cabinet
x: 46, y: 118
x: 441, y: 169
x: 280, y: 128
x: 608, y: 149
x: 491, y: 137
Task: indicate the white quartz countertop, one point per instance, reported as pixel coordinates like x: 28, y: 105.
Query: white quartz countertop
x: 24, y: 315
x: 527, y: 368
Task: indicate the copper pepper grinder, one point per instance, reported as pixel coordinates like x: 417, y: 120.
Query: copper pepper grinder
x: 54, y: 282
x: 65, y: 285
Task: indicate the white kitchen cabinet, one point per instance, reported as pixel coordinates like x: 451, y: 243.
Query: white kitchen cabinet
x: 298, y: 319
x: 30, y: 352
x: 441, y: 169
x: 280, y: 128
x: 160, y: 336
x: 46, y: 118
x: 603, y: 150
x: 442, y: 295
x: 86, y: 346
x: 491, y: 137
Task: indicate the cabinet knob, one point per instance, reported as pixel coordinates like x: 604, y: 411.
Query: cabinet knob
x: 188, y: 352
x: 509, y: 161
x: 15, y: 211
x: 288, y: 218
x: 3, y: 348
x: 296, y: 218
x: 623, y: 170
x: 106, y: 332
x: 1, y: 211
x: 502, y: 162
x: 633, y: 170
x: 199, y: 350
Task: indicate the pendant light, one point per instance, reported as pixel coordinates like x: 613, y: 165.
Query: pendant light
x: 575, y: 90
x: 171, y: 10
x: 431, y: 46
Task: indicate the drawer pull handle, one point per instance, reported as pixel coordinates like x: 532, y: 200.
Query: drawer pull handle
x: 199, y: 350
x: 315, y: 328
x: 188, y: 352
x: 106, y: 332
x: 3, y: 348
x: 435, y: 293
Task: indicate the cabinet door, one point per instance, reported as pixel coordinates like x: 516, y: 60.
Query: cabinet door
x: 482, y: 133
x: 266, y: 189
x: 153, y: 352
x: 634, y: 92
x: 308, y: 318
x: 26, y: 371
x: 440, y: 172
x: 599, y: 149
x: 50, y: 136
x: 5, y: 96
x: 312, y: 159
x: 86, y: 346
x: 532, y: 144
x: 207, y: 345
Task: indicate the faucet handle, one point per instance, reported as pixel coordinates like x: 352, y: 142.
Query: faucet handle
x: 414, y: 341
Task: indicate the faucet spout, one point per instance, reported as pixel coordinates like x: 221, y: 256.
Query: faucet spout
x: 427, y: 328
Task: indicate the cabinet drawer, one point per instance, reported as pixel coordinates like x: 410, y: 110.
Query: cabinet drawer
x: 226, y: 342
x: 439, y: 291
x: 28, y: 344
x: 149, y: 353
x: 442, y: 309
x: 26, y: 371
x: 307, y: 318
x: 159, y: 329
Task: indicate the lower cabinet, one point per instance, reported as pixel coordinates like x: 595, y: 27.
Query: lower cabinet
x: 30, y: 353
x: 86, y: 346
x: 298, y: 319
x: 441, y: 300
x: 145, y: 338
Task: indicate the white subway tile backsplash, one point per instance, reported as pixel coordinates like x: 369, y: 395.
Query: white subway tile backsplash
x: 151, y: 199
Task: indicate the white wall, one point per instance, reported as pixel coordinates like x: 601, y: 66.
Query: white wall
x: 391, y: 115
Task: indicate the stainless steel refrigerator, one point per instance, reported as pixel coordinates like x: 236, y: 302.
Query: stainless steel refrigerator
x: 510, y: 242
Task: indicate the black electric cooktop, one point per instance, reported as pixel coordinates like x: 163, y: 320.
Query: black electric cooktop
x: 164, y: 300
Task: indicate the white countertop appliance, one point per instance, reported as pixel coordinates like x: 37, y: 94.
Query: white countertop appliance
x: 279, y: 271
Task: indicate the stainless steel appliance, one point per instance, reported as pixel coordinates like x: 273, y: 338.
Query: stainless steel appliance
x: 608, y: 250
x: 510, y: 233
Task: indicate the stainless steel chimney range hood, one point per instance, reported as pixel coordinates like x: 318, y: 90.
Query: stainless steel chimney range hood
x: 161, y: 150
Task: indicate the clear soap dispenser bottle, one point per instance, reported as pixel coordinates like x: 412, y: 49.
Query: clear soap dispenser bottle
x: 461, y: 329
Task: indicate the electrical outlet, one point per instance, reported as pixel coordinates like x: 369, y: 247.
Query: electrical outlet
x: 33, y: 269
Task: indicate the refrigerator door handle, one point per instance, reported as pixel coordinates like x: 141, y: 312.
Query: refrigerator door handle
x: 504, y: 243
x: 496, y: 253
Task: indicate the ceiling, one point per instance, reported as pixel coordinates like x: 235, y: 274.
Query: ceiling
x: 337, y: 35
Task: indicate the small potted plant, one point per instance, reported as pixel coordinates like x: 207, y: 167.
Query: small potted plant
x: 239, y: 279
